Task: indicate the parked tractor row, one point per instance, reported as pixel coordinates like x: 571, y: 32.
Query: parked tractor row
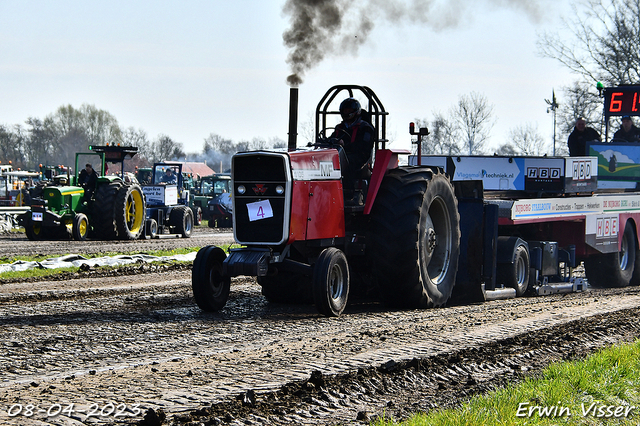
x: 111, y: 206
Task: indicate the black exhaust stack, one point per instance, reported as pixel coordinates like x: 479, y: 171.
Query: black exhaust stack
x: 293, y: 119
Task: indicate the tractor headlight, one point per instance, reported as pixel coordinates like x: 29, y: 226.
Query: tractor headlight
x: 241, y: 189
x: 279, y: 189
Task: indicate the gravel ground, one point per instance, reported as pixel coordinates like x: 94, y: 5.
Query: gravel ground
x: 134, y: 349
x: 17, y: 244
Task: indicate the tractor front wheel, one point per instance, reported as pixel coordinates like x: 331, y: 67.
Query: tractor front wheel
x: 151, y: 228
x: 331, y: 282
x: 34, y: 230
x: 80, y: 227
x: 210, y: 287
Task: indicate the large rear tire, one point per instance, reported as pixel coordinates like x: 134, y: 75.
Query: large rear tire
x: 210, y: 288
x: 181, y: 221
x: 103, y: 210
x: 130, y: 212
x: 614, y: 269
x: 331, y: 282
x: 414, y: 238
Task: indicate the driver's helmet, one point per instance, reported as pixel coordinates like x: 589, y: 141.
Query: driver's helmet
x: 351, y: 104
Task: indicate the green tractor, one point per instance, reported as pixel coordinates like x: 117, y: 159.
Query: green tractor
x: 213, y: 196
x: 113, y: 208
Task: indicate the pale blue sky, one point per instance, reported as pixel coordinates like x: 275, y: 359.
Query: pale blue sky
x: 190, y: 68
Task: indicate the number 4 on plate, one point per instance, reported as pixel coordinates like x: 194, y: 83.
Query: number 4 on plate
x: 259, y: 210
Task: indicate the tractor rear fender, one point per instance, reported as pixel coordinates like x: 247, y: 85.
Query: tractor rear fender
x: 386, y: 159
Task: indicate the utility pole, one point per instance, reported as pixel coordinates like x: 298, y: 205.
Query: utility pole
x: 553, y: 106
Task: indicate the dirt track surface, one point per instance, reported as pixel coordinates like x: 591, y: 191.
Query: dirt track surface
x: 122, y: 348
x: 18, y: 244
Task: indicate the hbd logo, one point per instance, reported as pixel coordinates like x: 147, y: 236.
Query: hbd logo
x: 542, y: 173
x: 581, y: 170
x: 259, y: 189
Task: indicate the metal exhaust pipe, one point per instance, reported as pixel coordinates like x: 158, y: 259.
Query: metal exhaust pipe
x: 293, y: 119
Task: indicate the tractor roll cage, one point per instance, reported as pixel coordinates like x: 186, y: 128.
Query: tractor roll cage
x: 375, y: 110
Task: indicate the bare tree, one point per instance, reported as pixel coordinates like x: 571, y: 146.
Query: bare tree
x: 277, y: 143
x: 307, y: 130
x: 13, y: 147
x: 604, y: 44
x: 218, y: 151
x: 218, y: 144
x: 525, y: 140
x: 506, y: 149
x: 442, y: 138
x: 602, y: 47
x: 40, y: 143
x: 99, y: 126
x: 581, y: 102
x: 473, y: 117
x: 166, y: 149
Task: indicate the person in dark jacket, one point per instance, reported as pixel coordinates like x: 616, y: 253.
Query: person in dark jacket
x: 580, y: 136
x: 628, y: 131
x: 169, y: 177
x: 87, y: 180
x: 358, y: 138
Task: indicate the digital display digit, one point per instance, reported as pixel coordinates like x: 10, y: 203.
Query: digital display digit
x: 622, y: 100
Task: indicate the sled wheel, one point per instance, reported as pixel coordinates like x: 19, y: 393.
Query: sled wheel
x: 613, y: 269
x: 516, y: 274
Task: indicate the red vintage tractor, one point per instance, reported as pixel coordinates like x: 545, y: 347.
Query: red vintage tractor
x: 304, y: 245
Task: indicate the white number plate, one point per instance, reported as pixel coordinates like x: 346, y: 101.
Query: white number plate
x: 260, y: 210
x: 36, y: 217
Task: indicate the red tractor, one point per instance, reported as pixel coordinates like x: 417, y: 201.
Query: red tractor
x: 304, y: 245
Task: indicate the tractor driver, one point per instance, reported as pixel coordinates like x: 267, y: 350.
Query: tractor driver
x: 168, y: 177
x: 87, y: 180
x: 358, y: 138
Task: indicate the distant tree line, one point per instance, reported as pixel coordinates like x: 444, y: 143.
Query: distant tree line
x: 56, y: 139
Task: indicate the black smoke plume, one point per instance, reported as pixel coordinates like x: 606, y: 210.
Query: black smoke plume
x: 325, y: 27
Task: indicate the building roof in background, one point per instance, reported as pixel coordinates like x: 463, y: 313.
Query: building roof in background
x: 200, y: 169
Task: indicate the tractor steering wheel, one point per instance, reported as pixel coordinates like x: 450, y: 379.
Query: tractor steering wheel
x: 323, y: 141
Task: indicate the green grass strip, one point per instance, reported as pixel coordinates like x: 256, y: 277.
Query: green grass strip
x: 603, y: 389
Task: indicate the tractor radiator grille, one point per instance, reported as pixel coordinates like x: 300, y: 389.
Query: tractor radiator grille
x: 261, y: 213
